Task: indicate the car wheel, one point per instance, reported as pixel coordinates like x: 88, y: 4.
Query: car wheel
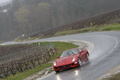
x: 79, y: 62
x: 56, y: 71
x: 87, y: 57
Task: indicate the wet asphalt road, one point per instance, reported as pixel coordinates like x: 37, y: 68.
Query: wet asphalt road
x: 104, y: 56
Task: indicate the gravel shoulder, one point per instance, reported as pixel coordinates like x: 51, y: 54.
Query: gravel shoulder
x: 110, y: 73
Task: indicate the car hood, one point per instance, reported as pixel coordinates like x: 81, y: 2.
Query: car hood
x: 64, y: 60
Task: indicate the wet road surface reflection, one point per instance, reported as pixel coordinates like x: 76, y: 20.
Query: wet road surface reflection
x: 75, y: 72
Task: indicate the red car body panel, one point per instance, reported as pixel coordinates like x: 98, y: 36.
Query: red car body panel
x: 71, y: 60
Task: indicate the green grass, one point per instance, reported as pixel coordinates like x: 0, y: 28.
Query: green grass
x: 107, y: 27
x: 61, y: 46
x: 110, y: 27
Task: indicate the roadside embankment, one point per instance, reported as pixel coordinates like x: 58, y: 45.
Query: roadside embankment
x: 113, y: 74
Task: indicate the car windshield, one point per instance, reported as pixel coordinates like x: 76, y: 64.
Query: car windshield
x: 75, y: 51
x: 67, y: 53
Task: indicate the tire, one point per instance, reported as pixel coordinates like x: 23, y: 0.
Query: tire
x: 87, y: 57
x: 56, y: 71
x: 79, y: 62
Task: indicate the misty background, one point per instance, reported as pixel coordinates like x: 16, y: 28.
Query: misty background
x: 18, y: 17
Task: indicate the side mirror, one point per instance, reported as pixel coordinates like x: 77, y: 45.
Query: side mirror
x: 58, y: 56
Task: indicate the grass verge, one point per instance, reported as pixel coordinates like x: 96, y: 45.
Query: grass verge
x: 61, y: 46
x: 107, y: 27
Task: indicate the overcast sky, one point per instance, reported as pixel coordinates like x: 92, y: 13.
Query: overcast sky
x: 1, y: 1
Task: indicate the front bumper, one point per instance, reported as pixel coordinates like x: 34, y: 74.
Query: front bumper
x: 57, y: 68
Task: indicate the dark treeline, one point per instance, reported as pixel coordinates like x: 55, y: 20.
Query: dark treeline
x: 31, y: 16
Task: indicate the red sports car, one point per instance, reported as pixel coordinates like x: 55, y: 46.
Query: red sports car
x: 70, y: 58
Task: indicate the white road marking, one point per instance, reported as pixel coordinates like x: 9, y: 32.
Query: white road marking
x: 116, y: 44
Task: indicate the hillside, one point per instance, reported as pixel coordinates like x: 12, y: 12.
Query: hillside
x: 103, y: 22
x: 25, y: 17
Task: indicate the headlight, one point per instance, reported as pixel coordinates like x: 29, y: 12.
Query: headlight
x: 73, y: 59
x: 54, y: 63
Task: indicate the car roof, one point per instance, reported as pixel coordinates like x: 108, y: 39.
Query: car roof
x: 72, y: 49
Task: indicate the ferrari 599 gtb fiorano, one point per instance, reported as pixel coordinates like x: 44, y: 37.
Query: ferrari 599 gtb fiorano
x: 70, y: 58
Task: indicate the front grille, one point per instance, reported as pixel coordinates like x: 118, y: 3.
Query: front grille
x: 64, y: 66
